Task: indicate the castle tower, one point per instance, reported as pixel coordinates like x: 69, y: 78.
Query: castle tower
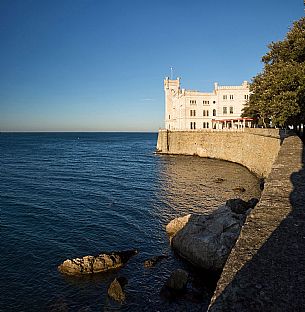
x: 171, y: 89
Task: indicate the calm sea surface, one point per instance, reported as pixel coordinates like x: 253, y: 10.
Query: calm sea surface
x: 65, y: 195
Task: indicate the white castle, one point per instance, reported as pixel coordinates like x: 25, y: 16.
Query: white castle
x: 191, y: 110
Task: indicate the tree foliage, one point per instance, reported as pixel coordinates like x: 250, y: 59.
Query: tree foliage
x: 278, y: 92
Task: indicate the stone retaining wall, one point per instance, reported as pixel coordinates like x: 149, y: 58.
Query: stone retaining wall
x: 256, y: 149
x: 265, y: 270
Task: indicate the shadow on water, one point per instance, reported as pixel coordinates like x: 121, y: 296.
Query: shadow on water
x: 270, y: 257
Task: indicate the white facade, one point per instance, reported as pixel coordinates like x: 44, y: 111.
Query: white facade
x: 220, y: 109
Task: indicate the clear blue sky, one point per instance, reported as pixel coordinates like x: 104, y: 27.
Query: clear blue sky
x: 98, y: 65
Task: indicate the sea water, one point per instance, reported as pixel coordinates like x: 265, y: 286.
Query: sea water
x: 67, y: 195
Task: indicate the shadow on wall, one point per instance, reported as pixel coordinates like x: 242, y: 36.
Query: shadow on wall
x: 270, y: 255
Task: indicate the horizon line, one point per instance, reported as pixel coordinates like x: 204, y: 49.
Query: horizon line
x: 77, y: 131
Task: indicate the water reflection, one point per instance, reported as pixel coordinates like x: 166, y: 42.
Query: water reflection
x: 189, y: 184
x: 62, y: 198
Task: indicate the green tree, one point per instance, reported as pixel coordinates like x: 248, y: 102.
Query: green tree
x: 278, y: 92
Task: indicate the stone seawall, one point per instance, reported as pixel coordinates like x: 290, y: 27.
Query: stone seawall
x: 255, y: 149
x: 265, y: 270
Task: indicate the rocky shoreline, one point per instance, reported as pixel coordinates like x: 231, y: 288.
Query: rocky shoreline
x: 203, y: 240
x: 96, y: 264
x: 206, y: 240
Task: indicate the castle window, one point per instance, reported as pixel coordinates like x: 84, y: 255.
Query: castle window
x: 204, y: 125
x: 231, y: 97
x: 225, y: 110
x: 206, y: 102
x: 192, y: 101
x: 193, y: 112
x: 224, y: 97
x: 205, y: 112
x: 214, y: 112
x: 207, y: 125
x: 169, y: 116
x: 214, y: 102
x: 246, y: 96
x: 231, y: 109
x: 193, y: 125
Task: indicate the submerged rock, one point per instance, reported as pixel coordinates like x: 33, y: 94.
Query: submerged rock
x: 115, y: 290
x: 219, y: 180
x: 206, y: 240
x: 177, y: 280
x: 175, y: 286
x: 153, y: 261
x: 239, y: 189
x: 262, y: 184
x: 96, y: 264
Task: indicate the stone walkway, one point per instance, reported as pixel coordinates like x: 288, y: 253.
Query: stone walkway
x: 266, y: 269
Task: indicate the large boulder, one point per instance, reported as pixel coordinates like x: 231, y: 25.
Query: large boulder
x: 206, y: 240
x: 96, y: 264
x: 176, y: 225
x: 237, y: 205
